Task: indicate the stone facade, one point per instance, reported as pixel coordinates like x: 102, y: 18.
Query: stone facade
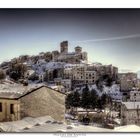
x: 38, y: 102
x: 43, y: 101
x: 9, y: 110
x: 127, y: 81
x: 69, y: 57
x: 64, y: 47
x: 66, y: 83
x: 135, y: 95
x: 81, y: 75
x: 130, y: 113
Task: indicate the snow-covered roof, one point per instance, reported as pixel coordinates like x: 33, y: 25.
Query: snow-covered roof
x: 14, y: 90
x: 25, y: 123
x: 71, y: 53
x: 30, y: 72
x: 132, y: 105
x: 41, y: 68
x: 68, y: 65
x: 11, y: 90
x: 48, y: 124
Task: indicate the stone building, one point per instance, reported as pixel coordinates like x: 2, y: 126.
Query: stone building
x: 66, y: 83
x: 48, y: 56
x: 112, y: 71
x: 109, y: 70
x: 90, y: 77
x: 130, y: 113
x: 53, y: 73
x: 134, y: 95
x: 83, y: 75
x: 69, y: 57
x: 127, y: 81
x: 78, y: 76
x: 68, y: 72
x: 36, y: 102
x: 138, y: 83
x: 78, y: 50
x: 55, y: 55
x: 64, y: 47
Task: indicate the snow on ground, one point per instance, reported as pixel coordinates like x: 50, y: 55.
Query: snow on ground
x: 48, y: 124
x: 42, y: 66
x: 128, y: 128
x: 26, y: 123
x: 113, y: 91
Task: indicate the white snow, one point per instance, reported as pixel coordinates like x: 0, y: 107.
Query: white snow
x: 12, y: 90
x: 48, y: 124
x: 113, y: 91
x: 128, y: 128
x: 42, y: 66
x: 28, y: 122
x: 131, y: 105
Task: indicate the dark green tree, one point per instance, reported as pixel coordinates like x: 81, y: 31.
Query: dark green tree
x: 85, y: 99
x: 109, y: 82
x: 93, y: 99
x: 69, y: 101
x: 17, y: 71
x: 99, y: 104
x: 73, y: 100
x: 76, y: 99
x: 106, y: 100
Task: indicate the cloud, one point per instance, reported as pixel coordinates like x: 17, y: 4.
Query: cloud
x: 110, y: 38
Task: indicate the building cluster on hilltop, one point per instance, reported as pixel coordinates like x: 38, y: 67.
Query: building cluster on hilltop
x: 66, y: 71
x: 69, y: 57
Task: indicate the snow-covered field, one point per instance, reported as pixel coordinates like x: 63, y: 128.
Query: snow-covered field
x: 48, y: 124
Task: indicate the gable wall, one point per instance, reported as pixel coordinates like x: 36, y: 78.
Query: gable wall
x: 43, y: 101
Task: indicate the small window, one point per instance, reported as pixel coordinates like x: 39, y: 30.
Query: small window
x: 12, y: 108
x: 0, y: 107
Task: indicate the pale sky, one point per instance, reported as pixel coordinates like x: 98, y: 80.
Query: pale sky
x: 110, y: 36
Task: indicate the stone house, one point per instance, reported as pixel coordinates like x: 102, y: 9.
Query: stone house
x: 130, y: 113
x: 37, y: 102
x: 135, y: 95
x: 81, y: 75
x: 127, y: 81
x: 66, y: 83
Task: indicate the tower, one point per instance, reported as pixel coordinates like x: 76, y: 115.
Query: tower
x: 84, y: 56
x: 78, y: 50
x: 64, y: 47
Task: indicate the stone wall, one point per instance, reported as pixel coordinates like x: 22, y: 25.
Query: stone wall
x: 5, y: 114
x: 43, y: 101
x: 130, y: 116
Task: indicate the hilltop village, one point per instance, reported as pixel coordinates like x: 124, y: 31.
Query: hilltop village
x: 65, y: 88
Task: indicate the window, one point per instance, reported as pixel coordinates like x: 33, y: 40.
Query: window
x: 0, y: 107
x: 12, y: 108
